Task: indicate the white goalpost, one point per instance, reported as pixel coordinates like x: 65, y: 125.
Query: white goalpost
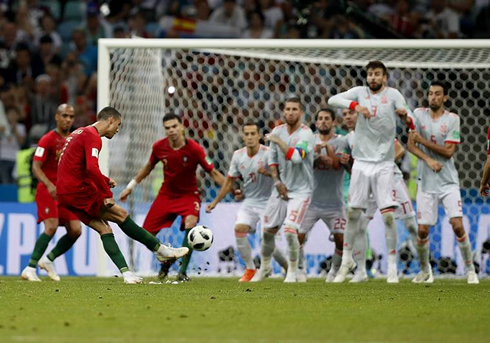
x: 216, y: 85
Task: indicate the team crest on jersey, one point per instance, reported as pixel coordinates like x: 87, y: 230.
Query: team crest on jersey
x: 384, y: 99
x: 242, y: 166
x: 184, y: 160
x: 46, y: 210
x: 260, y: 163
x: 443, y: 129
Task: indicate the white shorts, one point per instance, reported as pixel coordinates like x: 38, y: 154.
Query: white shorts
x: 402, y: 197
x: 427, y: 205
x: 334, y: 219
x: 290, y: 213
x: 374, y: 179
x: 250, y: 216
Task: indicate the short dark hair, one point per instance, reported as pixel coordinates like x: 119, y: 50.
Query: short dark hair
x: 295, y: 100
x: 376, y: 65
x: 251, y: 123
x: 108, y: 112
x: 171, y: 115
x: 328, y: 110
x: 442, y: 84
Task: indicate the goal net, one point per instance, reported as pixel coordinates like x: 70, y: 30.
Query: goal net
x: 216, y: 86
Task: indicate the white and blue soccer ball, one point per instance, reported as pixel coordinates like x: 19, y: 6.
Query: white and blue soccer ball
x: 200, y: 238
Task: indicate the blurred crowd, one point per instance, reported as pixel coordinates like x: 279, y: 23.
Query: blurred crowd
x: 48, y: 49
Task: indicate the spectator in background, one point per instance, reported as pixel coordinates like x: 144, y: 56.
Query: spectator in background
x: 58, y: 89
x: 22, y: 70
x: 43, y: 107
x: 443, y: 21
x: 118, y: 10
x: 48, y: 28
x: 84, y: 115
x: 343, y: 28
x: 11, y: 141
x: 202, y: 10
x: 35, y: 12
x: 73, y: 75
x: 87, y: 54
x: 137, y: 25
x: 46, y: 54
x: 402, y: 20
x: 256, y: 28
x: 94, y: 27
x: 230, y: 14
x: 120, y: 32
x: 273, y: 16
x: 11, y: 37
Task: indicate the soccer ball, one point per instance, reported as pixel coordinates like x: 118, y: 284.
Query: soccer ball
x: 200, y: 238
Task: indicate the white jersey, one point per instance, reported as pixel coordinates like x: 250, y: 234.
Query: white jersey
x: 442, y: 131
x: 256, y: 187
x: 375, y: 136
x: 297, y: 177
x: 328, y: 189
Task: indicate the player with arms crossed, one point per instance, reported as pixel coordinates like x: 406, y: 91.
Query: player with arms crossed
x: 291, y: 159
x: 179, y: 195
x: 45, y: 169
x: 327, y: 201
x: 249, y: 163
x: 374, y: 154
x: 433, y: 139
x: 84, y: 191
x: 404, y: 212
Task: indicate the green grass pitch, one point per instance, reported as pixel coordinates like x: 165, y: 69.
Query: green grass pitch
x: 222, y: 310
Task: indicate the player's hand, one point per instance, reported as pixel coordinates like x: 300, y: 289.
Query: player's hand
x: 364, y: 111
x: 109, y: 202
x: 264, y: 171
x: 434, y: 165
x: 52, y: 191
x: 283, y: 191
x: 239, y: 196
x: 484, y: 190
x: 402, y: 113
x: 210, y: 207
x: 272, y: 138
x: 344, y: 158
x: 326, y: 161
x: 112, y: 183
x: 415, y: 136
x: 124, y: 194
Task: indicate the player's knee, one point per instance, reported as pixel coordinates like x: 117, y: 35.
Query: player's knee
x: 423, y: 232
x: 388, y: 218
x: 457, y: 224
x: 75, y: 232
x: 241, y: 229
x: 50, y: 230
x: 354, y: 213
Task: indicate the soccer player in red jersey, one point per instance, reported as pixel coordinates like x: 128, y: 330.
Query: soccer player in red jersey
x: 484, y: 186
x: 179, y: 195
x: 45, y: 168
x: 83, y: 190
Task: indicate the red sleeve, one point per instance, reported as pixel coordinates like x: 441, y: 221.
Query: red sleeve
x: 41, y: 152
x: 488, y: 141
x: 203, y: 161
x: 153, y: 158
x: 92, y: 146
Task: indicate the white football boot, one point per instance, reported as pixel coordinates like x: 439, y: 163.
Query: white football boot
x: 392, y: 276
x: 345, y: 267
x: 47, y: 265
x: 131, y: 279
x: 424, y: 277
x: 472, y: 277
x: 30, y: 274
x: 261, y: 274
x: 165, y: 253
x: 301, y: 275
x: 359, y: 276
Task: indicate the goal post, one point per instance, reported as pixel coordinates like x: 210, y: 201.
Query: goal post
x: 218, y: 84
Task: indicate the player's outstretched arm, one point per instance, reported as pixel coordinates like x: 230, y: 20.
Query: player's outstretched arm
x: 39, y: 174
x: 412, y: 147
x: 217, y: 177
x: 140, y: 176
x: 348, y: 100
x: 484, y: 187
x: 399, y: 150
x: 225, y: 189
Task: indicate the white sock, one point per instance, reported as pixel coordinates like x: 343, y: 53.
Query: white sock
x: 360, y: 243
x: 423, y: 250
x: 465, y: 248
x: 293, y: 248
x: 390, y: 231
x: 267, y: 248
x: 244, y: 249
x: 301, y: 261
x: 352, y: 227
x: 411, y: 225
x: 280, y: 258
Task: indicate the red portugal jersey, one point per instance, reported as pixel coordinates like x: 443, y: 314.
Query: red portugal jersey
x: 179, y: 166
x: 48, y: 152
x: 78, y: 169
x: 488, y: 141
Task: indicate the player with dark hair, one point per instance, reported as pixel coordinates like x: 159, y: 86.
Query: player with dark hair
x: 179, y: 195
x: 434, y: 139
x: 84, y: 191
x: 45, y: 169
x: 374, y: 155
x: 249, y: 163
